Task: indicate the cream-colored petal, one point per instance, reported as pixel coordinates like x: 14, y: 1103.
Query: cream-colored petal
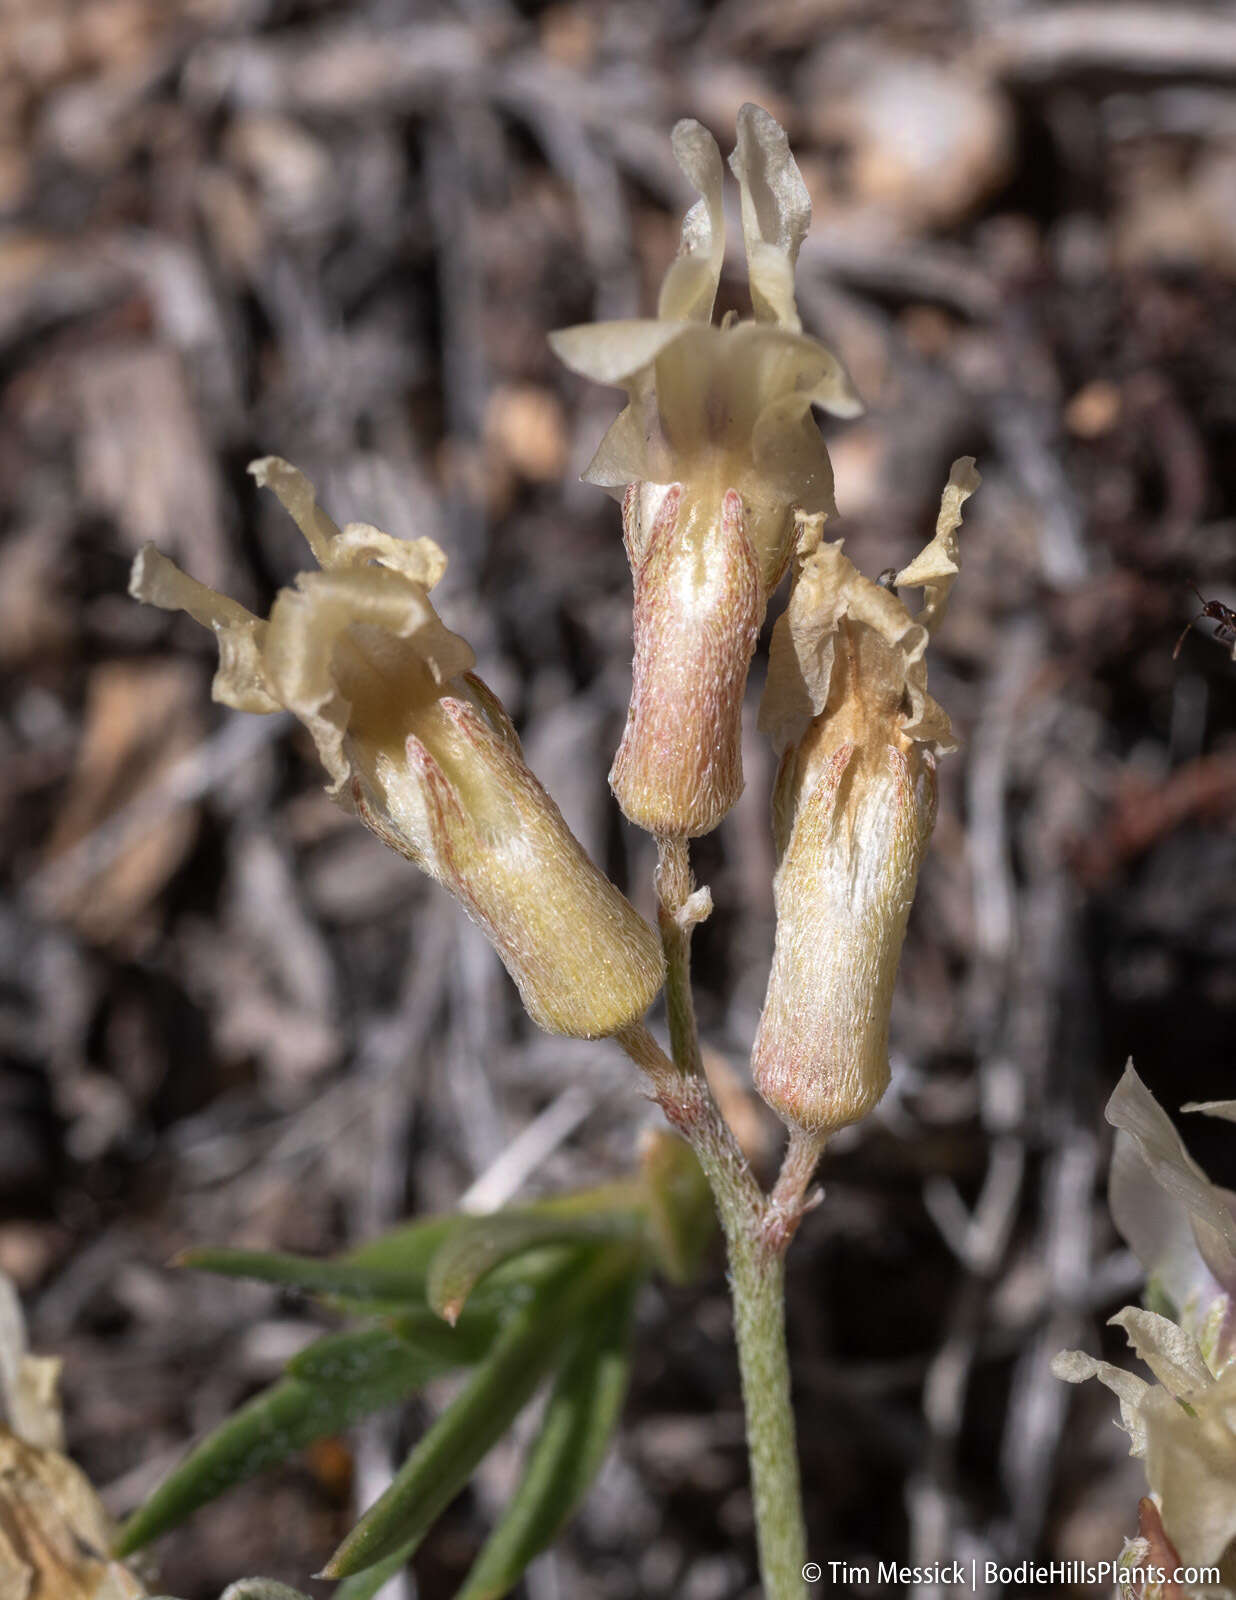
x: 1191, y: 1466
x: 1133, y: 1109
x: 622, y: 455
x: 306, y: 624
x: 1226, y: 1109
x: 1155, y: 1226
x: 690, y: 285
x: 776, y: 213
x: 297, y: 497
x: 612, y: 352
x: 422, y: 560
x: 1170, y: 1353
x: 1075, y: 1366
x: 241, y: 680
x: 784, y: 362
x: 935, y: 567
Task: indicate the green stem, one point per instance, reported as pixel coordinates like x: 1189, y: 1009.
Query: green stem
x: 757, y: 1284
x: 757, y: 1231
x: 673, y: 893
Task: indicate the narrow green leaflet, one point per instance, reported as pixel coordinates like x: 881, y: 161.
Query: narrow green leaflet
x: 344, y: 1280
x: 579, y: 1421
x: 407, y: 1249
x: 487, y: 1242
x: 369, y: 1369
x: 364, y: 1585
x: 420, y: 1342
x: 444, y: 1460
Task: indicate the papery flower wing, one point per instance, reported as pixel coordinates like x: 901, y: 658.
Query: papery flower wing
x: 804, y: 640
x: 1170, y: 1353
x: 936, y: 566
x: 1155, y: 1238
x: 829, y: 587
x: 623, y: 355
x: 690, y: 285
x: 1154, y: 1225
x: 784, y: 364
x: 613, y: 352
x: 1075, y: 1366
x: 776, y: 213
x: 241, y: 680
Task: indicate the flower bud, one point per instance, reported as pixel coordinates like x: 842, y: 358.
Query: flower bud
x: 847, y: 707
x: 717, y: 450
x: 424, y: 753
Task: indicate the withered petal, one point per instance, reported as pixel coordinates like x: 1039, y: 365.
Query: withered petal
x: 241, y: 680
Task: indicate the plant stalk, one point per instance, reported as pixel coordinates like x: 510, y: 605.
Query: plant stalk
x: 757, y: 1285
x: 757, y: 1229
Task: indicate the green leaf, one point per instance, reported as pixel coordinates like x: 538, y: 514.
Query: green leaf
x: 364, y: 1585
x: 409, y: 1248
x: 371, y: 1368
x: 487, y: 1242
x: 344, y: 1280
x: 368, y: 1356
x: 580, y: 1417
x: 498, y: 1390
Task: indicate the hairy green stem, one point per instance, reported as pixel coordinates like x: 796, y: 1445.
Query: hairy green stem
x: 757, y: 1229
x: 757, y: 1284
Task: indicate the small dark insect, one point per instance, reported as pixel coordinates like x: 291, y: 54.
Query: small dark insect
x: 1223, y: 615
x: 886, y: 579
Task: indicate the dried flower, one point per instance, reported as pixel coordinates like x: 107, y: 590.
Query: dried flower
x: 419, y: 747
x: 717, y: 450
x: 847, y: 708
x: 1182, y: 1228
x: 54, y: 1532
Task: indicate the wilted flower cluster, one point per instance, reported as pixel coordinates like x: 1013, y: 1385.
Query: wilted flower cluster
x: 1182, y: 1228
x: 727, y: 482
x: 726, y: 485
x: 418, y: 746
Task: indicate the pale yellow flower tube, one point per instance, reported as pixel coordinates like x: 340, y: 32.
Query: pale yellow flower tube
x: 847, y: 707
x: 424, y: 753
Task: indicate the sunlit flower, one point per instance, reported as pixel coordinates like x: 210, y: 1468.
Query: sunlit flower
x: 1178, y: 1224
x: 419, y: 747
x: 1182, y: 1228
x: 717, y: 451
x: 847, y: 709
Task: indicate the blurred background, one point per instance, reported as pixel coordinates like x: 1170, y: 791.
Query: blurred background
x: 340, y: 232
